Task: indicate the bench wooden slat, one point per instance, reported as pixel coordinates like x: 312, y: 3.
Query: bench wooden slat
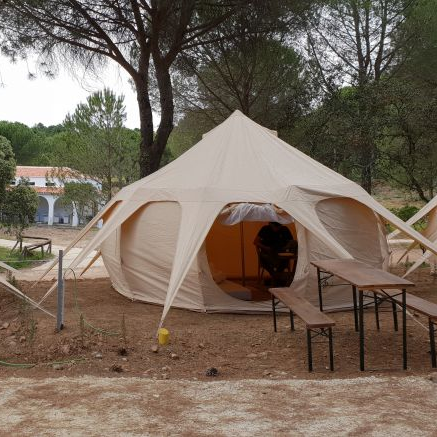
x: 414, y: 302
x: 36, y: 246
x: 311, y: 315
x: 420, y: 305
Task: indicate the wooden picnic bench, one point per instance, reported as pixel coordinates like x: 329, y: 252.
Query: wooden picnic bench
x: 27, y: 249
x: 417, y: 304
x: 316, y: 322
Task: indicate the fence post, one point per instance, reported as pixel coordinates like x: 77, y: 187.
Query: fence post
x: 60, y: 309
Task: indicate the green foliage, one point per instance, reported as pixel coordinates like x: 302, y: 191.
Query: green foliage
x: 244, y: 76
x: 341, y: 133
x: 418, y: 37
x: 7, y: 166
x: 167, y: 156
x: 406, y: 212
x: 19, y: 208
x: 188, y: 132
x: 96, y: 143
x: 14, y: 259
x: 351, y: 83
x: 29, y: 145
x: 407, y: 152
x: 83, y: 195
x: 353, y: 42
x: 144, y: 38
x: 356, y: 43
x: 251, y: 67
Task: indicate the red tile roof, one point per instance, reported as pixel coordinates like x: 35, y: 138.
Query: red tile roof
x: 48, y: 190
x: 38, y: 172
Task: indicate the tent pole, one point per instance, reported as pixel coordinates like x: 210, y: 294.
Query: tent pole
x: 243, y: 267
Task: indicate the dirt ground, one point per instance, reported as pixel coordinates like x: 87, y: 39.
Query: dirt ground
x: 101, y: 376
x: 239, y: 346
x: 391, y: 197
x: 91, y: 406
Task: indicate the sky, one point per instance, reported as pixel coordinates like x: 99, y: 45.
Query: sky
x: 48, y: 101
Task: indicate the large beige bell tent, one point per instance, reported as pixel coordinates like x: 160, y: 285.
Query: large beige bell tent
x: 165, y: 239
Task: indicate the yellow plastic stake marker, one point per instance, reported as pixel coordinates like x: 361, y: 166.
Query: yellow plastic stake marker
x: 163, y: 336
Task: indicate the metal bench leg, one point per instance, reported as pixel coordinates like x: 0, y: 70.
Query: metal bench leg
x: 310, y: 353
x: 291, y: 320
x: 274, y: 313
x: 375, y: 299
x: 432, y: 343
x: 361, y: 330
x: 404, y: 327
x: 395, y: 315
x: 319, y: 284
x: 331, y: 350
x: 354, y: 297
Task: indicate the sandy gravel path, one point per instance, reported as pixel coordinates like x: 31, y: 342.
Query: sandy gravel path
x: 138, y: 406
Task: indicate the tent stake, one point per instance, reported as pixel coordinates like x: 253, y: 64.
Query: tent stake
x: 60, y: 309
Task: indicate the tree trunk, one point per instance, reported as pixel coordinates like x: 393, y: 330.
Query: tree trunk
x: 167, y: 113
x: 152, y: 146
x: 146, y: 125
x: 367, y: 152
x: 416, y: 185
x: 366, y: 178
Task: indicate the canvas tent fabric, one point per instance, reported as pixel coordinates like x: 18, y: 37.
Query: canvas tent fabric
x: 429, y: 211
x: 254, y: 213
x: 158, y: 232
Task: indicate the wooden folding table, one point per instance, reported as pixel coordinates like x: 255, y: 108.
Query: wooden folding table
x: 362, y: 278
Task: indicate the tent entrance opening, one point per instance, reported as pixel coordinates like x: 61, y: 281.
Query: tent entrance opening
x: 234, y: 260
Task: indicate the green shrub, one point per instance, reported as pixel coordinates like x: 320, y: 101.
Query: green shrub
x: 406, y: 212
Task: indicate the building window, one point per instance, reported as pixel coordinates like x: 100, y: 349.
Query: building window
x: 12, y: 183
x: 50, y: 184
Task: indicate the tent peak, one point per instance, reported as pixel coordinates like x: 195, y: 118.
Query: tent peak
x: 237, y: 112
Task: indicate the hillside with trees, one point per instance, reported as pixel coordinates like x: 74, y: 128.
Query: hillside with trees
x: 350, y: 82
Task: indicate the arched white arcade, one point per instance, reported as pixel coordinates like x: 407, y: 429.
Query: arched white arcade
x: 51, y: 210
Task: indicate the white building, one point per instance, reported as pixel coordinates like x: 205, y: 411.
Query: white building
x: 50, y: 188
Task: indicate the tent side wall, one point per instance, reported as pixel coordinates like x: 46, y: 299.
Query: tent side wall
x: 357, y: 228
x: 358, y: 231
x: 139, y: 255
x: 146, y: 252
x: 139, y: 258
x: 110, y: 250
